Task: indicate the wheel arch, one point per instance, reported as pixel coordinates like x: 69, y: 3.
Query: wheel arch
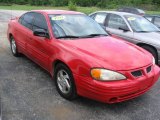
x: 10, y: 35
x: 55, y: 63
x: 144, y: 44
x: 154, y: 48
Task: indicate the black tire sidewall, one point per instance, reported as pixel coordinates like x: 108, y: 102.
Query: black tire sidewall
x: 152, y: 51
x: 72, y: 94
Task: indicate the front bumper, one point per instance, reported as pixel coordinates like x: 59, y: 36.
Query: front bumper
x: 116, y: 91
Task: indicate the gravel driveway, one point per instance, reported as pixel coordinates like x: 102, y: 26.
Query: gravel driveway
x: 28, y: 93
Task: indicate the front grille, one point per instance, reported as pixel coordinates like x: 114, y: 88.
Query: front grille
x: 137, y: 73
x: 149, y: 69
x: 144, y: 71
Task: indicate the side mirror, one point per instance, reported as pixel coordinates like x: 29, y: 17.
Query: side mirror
x: 40, y: 33
x: 125, y: 29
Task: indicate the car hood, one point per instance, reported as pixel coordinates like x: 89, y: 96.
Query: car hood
x: 148, y: 37
x: 110, y: 52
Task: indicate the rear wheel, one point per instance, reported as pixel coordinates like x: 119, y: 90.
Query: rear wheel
x: 14, y: 47
x: 152, y: 51
x: 65, y: 82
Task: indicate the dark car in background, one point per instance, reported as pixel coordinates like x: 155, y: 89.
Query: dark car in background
x: 132, y: 10
x: 155, y: 19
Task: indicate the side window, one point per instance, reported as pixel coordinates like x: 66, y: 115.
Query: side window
x: 39, y: 22
x: 27, y: 20
x: 157, y: 21
x: 115, y: 21
x: 100, y: 18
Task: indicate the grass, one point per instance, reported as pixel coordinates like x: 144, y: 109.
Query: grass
x: 86, y: 10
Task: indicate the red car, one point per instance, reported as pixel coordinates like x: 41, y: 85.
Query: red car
x: 82, y: 58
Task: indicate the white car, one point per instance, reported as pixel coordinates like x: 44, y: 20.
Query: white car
x: 131, y: 27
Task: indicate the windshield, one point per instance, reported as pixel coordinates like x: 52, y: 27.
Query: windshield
x: 140, y: 24
x: 75, y: 26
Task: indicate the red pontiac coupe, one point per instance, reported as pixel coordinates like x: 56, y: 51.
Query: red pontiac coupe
x: 81, y: 57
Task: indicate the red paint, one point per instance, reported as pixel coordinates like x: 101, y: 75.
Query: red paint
x: 81, y: 55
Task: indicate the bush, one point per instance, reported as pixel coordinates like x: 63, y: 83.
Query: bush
x: 101, y: 4
x: 72, y: 6
x: 21, y: 2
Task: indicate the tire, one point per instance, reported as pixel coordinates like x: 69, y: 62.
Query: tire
x: 152, y: 51
x: 64, y: 82
x: 13, y: 46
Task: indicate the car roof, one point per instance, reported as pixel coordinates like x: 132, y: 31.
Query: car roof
x: 118, y: 13
x: 56, y: 12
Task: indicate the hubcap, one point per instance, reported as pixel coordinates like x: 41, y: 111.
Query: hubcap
x: 63, y: 81
x: 13, y: 45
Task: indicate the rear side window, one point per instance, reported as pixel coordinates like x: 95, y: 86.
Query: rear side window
x: 27, y: 20
x: 39, y: 22
x: 100, y: 18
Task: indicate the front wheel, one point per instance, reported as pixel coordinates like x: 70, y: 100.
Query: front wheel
x: 14, y: 47
x: 65, y: 82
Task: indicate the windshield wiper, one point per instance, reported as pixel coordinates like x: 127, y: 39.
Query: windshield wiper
x: 87, y: 36
x: 67, y: 36
x: 94, y: 35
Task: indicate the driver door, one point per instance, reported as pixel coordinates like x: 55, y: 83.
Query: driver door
x: 38, y: 48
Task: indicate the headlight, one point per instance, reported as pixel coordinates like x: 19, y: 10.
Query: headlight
x: 153, y: 61
x: 106, y: 75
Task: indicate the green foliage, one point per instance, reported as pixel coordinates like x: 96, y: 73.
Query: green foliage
x: 102, y: 4
x: 86, y: 10
x: 72, y: 6
x: 146, y: 4
x: 156, y: 2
